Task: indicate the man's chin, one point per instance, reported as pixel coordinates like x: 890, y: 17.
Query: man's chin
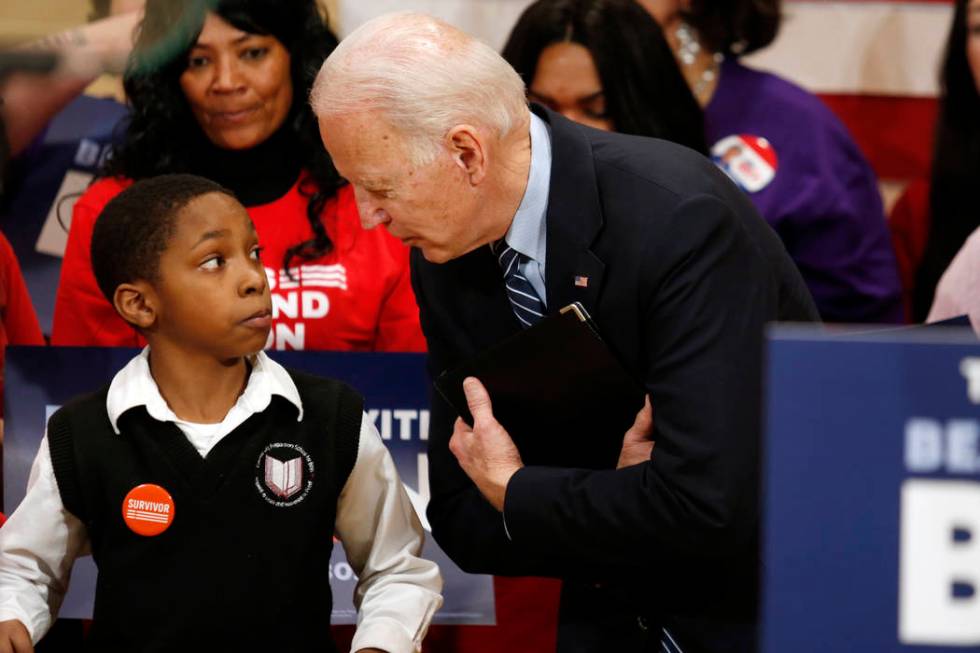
x: 436, y: 256
x: 444, y: 255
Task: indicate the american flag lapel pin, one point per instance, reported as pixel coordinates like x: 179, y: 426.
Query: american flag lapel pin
x: 581, y: 282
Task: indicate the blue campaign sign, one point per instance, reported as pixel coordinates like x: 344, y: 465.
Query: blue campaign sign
x: 396, y: 392
x: 872, y: 492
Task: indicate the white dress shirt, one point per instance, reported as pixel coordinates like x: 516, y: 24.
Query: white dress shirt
x: 397, y: 592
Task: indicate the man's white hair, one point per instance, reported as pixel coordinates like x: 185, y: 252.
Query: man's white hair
x: 424, y: 76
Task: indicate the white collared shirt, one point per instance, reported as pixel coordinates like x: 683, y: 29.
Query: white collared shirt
x: 397, y: 591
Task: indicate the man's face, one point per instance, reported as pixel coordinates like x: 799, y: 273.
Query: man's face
x: 431, y: 207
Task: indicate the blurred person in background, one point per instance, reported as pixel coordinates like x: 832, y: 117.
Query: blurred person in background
x: 59, y: 137
x: 32, y: 99
x: 935, y: 216
x: 18, y: 322
x: 788, y: 151
x: 223, y: 94
x: 605, y: 64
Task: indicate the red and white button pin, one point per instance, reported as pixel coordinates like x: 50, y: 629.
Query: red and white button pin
x: 148, y: 509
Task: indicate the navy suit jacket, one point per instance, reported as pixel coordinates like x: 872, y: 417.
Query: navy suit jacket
x: 683, y: 275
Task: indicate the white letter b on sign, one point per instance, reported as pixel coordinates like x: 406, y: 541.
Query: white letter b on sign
x: 939, y: 581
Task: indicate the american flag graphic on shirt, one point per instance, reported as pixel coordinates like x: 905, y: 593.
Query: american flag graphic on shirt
x: 308, y: 276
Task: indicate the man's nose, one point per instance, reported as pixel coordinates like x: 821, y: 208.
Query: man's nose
x: 374, y: 217
x: 371, y: 214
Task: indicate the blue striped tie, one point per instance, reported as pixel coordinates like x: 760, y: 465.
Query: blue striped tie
x: 527, y: 306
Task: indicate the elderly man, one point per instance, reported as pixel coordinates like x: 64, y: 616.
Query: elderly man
x: 679, y: 272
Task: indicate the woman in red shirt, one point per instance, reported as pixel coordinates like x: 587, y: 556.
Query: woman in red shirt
x: 223, y: 94
x: 18, y: 322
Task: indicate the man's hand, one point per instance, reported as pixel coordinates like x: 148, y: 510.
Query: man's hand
x: 485, y: 452
x: 14, y: 638
x: 638, y: 441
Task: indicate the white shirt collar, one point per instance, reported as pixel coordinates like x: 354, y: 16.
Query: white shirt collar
x: 134, y: 386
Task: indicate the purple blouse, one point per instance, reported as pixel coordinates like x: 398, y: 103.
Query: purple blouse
x: 808, y: 179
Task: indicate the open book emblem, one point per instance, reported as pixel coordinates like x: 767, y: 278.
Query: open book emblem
x: 284, y: 479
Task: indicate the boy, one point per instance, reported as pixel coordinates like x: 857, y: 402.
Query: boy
x: 207, y: 480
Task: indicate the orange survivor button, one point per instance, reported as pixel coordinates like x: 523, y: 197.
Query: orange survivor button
x: 148, y: 509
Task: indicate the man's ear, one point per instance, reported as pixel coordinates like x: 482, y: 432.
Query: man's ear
x: 136, y: 303
x: 468, y: 151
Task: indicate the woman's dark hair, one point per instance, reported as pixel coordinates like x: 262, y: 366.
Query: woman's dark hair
x: 955, y: 167
x: 161, y: 134
x: 735, y: 27
x: 644, y: 90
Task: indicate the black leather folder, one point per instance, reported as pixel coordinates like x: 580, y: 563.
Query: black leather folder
x: 558, y: 390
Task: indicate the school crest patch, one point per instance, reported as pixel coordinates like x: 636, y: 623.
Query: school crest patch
x: 284, y: 474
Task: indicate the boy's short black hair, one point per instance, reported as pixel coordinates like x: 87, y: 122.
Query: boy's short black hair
x: 134, y: 227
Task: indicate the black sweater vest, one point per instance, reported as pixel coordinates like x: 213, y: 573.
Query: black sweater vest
x: 245, y: 563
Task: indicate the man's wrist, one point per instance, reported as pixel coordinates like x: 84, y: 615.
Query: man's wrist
x: 496, y: 494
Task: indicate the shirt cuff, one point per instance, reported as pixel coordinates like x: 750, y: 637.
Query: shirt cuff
x: 385, y: 634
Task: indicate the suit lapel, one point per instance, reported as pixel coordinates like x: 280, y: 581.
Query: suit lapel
x: 473, y: 294
x: 573, y: 273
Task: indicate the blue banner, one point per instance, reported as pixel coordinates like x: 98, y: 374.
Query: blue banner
x: 872, y: 492
x: 396, y: 391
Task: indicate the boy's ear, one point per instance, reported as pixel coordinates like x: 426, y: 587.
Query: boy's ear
x: 136, y: 303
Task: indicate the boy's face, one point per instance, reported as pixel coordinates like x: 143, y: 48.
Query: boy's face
x: 211, y: 292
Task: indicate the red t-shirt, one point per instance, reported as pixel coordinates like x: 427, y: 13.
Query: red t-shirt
x: 358, y: 297
x: 19, y: 325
